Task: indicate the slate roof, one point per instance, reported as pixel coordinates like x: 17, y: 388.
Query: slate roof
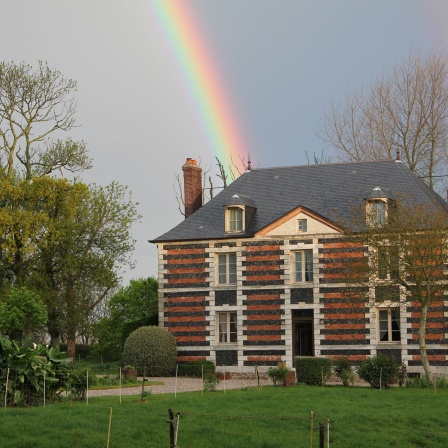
x: 330, y: 190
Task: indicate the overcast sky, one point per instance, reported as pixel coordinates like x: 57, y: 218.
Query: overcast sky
x: 280, y: 63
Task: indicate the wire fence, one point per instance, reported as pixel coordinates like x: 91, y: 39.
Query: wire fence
x: 19, y: 389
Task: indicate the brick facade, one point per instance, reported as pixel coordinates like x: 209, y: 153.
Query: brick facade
x: 266, y: 303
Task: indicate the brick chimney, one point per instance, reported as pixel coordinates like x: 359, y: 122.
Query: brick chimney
x: 192, y: 186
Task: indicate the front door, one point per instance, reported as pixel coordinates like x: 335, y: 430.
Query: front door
x: 303, y: 344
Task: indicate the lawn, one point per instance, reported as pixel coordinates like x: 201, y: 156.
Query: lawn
x: 274, y: 417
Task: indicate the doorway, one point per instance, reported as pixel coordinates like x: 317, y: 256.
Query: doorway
x: 303, y: 334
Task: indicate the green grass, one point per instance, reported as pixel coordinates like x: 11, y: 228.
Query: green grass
x: 275, y: 417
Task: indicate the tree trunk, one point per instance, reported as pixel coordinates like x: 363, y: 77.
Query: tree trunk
x: 422, y: 340
x: 72, y: 322
x: 71, y: 347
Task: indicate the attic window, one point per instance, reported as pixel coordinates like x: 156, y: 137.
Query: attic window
x: 302, y: 225
x: 377, y: 213
x: 378, y: 206
x: 234, y: 219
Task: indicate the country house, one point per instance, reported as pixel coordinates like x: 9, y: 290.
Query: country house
x: 252, y: 277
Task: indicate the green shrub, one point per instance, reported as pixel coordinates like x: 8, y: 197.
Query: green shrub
x: 379, y: 371
x: 425, y: 383
x: 211, y: 380
x: 152, y: 347
x: 343, y: 370
x: 194, y: 368
x: 278, y: 375
x: 312, y: 371
x: 37, y: 372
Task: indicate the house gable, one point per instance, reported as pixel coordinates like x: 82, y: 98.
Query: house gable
x: 288, y: 224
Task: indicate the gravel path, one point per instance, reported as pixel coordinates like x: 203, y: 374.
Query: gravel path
x: 182, y: 385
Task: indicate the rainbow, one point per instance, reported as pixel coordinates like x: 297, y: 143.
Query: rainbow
x: 199, y: 71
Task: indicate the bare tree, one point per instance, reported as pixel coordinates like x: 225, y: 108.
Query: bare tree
x: 34, y: 104
x: 402, y: 112
x: 402, y: 263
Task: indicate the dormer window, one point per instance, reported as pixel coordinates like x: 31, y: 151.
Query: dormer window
x: 239, y: 212
x: 235, y: 219
x: 378, y: 206
x: 377, y: 213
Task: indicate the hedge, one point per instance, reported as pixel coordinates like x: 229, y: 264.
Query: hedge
x: 312, y: 371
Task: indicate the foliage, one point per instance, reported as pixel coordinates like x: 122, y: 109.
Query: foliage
x: 343, y: 369
x: 277, y: 375
x: 35, y: 370
x: 131, y: 307
x: 23, y: 311
x: 312, y: 371
x: 152, y: 347
x: 425, y: 383
x: 211, y: 380
x: 196, y: 368
x: 379, y: 371
x: 76, y: 384
x: 65, y: 239
x: 404, y: 111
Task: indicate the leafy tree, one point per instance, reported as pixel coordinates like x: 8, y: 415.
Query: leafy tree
x: 403, y: 263
x: 404, y: 111
x: 81, y: 266
x: 34, y: 105
x: 131, y: 307
x: 63, y: 238
x: 22, y: 313
x: 138, y: 300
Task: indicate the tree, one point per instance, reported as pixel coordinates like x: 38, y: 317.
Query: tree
x: 138, y: 300
x: 131, y: 307
x: 34, y: 105
x: 81, y: 264
x: 404, y: 263
x: 402, y: 112
x: 22, y: 313
x: 67, y: 240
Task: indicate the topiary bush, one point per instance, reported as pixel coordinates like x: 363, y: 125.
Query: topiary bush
x: 312, y: 371
x: 152, y: 347
x: 379, y: 371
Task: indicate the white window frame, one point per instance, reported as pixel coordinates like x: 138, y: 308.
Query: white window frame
x: 385, y: 326
x: 302, y: 225
x: 226, y: 327
x: 235, y: 220
x: 226, y: 268
x: 306, y: 275
x: 385, y: 263
x: 376, y: 217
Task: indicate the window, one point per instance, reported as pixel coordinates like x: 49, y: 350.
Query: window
x: 302, y: 266
x: 234, y: 219
x: 302, y: 225
x: 377, y: 213
x: 389, y: 325
x: 227, y: 269
x: 388, y: 263
x: 227, y: 329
